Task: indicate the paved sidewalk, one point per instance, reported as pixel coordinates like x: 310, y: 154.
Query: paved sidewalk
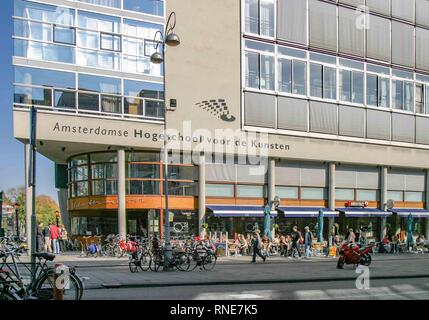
x: 272, y: 271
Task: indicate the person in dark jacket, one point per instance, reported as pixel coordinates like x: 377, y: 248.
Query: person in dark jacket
x: 257, y: 245
x: 39, y: 237
x: 296, y: 236
x: 308, y: 239
x: 47, y: 238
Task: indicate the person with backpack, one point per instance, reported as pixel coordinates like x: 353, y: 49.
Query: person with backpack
x: 257, y: 246
x: 47, y: 238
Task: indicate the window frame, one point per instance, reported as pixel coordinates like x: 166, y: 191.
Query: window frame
x: 55, y: 26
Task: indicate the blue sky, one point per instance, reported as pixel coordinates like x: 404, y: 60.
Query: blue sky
x: 12, y: 151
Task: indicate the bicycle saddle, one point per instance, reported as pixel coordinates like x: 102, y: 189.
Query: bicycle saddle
x: 44, y: 255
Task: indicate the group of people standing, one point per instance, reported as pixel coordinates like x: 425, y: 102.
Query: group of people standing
x: 51, y: 238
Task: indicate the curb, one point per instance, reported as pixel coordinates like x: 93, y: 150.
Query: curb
x: 238, y: 282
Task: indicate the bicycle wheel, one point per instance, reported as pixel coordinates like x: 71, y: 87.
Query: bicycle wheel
x: 134, y: 264
x: 145, y: 261
x: 44, y: 287
x: 194, y: 261
x: 209, y: 261
x: 182, y: 261
x: 8, y: 296
x: 157, y: 262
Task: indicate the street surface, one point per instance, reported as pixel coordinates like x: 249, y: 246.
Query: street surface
x: 404, y: 276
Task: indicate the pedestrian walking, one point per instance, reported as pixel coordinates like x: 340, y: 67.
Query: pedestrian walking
x: 47, y: 239
x: 257, y: 245
x: 308, y: 240
x: 55, y: 234
x: 296, y: 237
x: 39, y: 238
x: 63, y: 238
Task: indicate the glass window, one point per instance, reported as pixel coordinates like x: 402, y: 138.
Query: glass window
x: 252, y: 16
x: 371, y: 90
x: 267, y: 17
x: 267, y: 72
x: 111, y: 104
x: 286, y: 51
x: 420, y: 89
x: 110, y: 42
x: 44, y: 12
x: 98, y: 22
x: 287, y: 192
x: 285, y: 75
x: 329, y: 83
x: 44, y: 51
x: 99, y: 84
x: 384, y: 92
x: 344, y: 194
x: 98, y: 59
x: 88, y: 39
x: 316, y: 71
x: 220, y: 190
x: 313, y: 194
x: 141, y: 29
x: 427, y: 99
x: 36, y: 96
x: 345, y: 85
x: 299, y: 76
x: 245, y: 191
x: 182, y: 188
x: 252, y: 70
x: 259, y: 46
x: 88, y: 101
x: 65, y: 99
x: 143, y: 156
x: 142, y: 89
x: 103, y: 157
x: 64, y: 35
x: 413, y: 196
x: 183, y: 172
x: 153, y: 7
x: 366, y: 195
x: 44, y: 77
x: 107, y: 3
x: 143, y: 171
x: 134, y: 106
x: 142, y: 187
x: 32, y: 30
x: 357, y: 87
x: 378, y: 91
x: 395, y: 195
x: 403, y: 96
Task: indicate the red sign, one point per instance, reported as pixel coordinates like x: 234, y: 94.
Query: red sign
x: 360, y: 204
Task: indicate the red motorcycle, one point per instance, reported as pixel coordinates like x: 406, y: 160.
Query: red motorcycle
x: 351, y: 253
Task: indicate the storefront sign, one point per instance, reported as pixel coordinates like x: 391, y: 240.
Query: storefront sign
x: 358, y: 204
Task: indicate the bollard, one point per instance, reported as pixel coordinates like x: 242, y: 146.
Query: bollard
x: 58, y: 289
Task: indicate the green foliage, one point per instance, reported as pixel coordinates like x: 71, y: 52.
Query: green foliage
x: 45, y: 205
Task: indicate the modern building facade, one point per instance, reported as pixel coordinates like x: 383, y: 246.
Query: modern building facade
x: 323, y: 103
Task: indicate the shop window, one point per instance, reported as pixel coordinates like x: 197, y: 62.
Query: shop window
x: 314, y: 194
x: 220, y: 190
x: 287, y: 192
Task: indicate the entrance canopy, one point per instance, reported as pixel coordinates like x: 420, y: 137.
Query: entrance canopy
x: 364, y: 212
x: 239, y: 211
x: 306, y: 212
x: 416, y: 213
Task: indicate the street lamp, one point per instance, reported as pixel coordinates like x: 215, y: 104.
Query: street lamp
x: 17, y: 205
x: 57, y: 217
x: 171, y: 39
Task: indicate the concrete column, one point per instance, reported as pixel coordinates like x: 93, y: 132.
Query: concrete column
x: 62, y: 201
x: 122, y: 218
x: 383, y: 200
x: 28, y: 197
x: 331, y: 199
x: 201, y: 192
x: 427, y: 204
x: 271, y: 179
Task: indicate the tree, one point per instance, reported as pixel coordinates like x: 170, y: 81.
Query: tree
x: 45, y: 205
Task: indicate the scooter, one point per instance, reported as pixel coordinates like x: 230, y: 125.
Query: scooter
x: 351, y: 253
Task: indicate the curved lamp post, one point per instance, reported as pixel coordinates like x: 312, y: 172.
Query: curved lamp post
x: 170, y: 39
